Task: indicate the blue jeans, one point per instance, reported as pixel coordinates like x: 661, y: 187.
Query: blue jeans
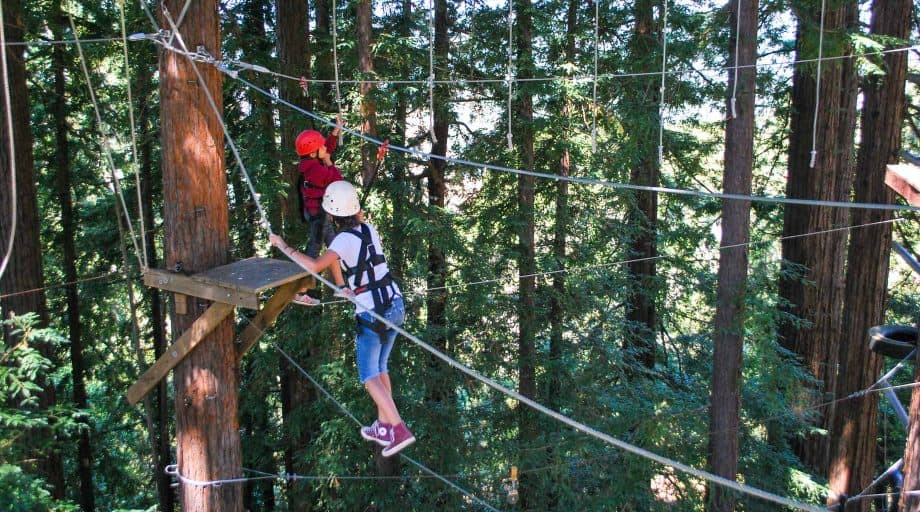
x: 371, y: 351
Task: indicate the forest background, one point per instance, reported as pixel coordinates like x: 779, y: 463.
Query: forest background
x: 746, y: 367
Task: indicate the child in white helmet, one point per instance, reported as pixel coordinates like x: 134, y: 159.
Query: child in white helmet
x: 357, y: 249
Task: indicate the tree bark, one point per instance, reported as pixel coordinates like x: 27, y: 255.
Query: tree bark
x: 84, y: 460
x: 197, y: 238
x: 24, y: 270
x: 524, y: 141
x: 641, y: 314
x: 725, y: 399
x: 818, y: 298
x: 324, y: 63
x: 854, y: 427
x: 368, y: 102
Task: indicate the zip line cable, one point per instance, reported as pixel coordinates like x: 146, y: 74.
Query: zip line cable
x: 597, y: 9
x: 509, y: 73
x: 58, y: 285
x: 8, y: 105
x: 575, y: 179
x: 814, y: 122
x: 62, y: 41
x: 137, y: 165
x: 116, y: 182
x: 431, y: 40
x: 335, y: 65
x: 734, y: 112
x: 664, y: 74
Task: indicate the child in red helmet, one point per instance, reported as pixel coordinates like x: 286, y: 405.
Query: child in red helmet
x: 317, y: 172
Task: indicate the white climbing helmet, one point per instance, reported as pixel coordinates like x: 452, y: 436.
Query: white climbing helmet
x: 341, y: 199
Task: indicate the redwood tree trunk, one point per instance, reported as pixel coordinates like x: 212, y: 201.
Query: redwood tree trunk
x: 524, y: 142
x: 24, y: 270
x: 725, y: 399
x: 854, y: 427
x: 197, y: 237
x: 368, y: 103
x: 641, y: 315
x: 84, y: 460
x: 818, y: 298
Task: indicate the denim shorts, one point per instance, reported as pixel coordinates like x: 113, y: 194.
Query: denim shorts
x: 371, y: 351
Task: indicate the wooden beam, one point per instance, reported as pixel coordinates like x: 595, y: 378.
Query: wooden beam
x: 905, y: 180
x: 188, y: 285
x: 206, y: 323
x: 269, y: 314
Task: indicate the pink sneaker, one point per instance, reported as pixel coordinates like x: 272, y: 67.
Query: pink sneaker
x: 305, y: 300
x: 380, y: 433
x: 401, y: 438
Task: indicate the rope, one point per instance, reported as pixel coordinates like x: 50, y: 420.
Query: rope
x: 587, y: 78
x: 335, y: 65
x: 734, y: 112
x: 431, y: 38
x: 509, y: 74
x: 814, y: 124
x: 116, y: 183
x: 63, y: 41
x: 664, y: 70
x: 582, y: 180
x: 236, y: 154
x: 58, y: 285
x: 597, y: 8
x: 12, y: 147
x: 137, y: 165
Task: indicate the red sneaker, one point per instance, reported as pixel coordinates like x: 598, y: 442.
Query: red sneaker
x: 377, y: 432
x: 401, y: 438
x: 305, y: 300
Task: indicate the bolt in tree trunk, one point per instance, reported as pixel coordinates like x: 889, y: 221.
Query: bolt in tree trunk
x: 526, y: 226
x: 197, y: 237
x: 84, y: 461
x: 641, y: 316
x: 854, y: 427
x: 725, y: 399
x: 24, y: 270
x: 818, y: 298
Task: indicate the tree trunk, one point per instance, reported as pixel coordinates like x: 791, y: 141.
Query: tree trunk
x: 524, y: 142
x: 397, y: 161
x: 911, y: 483
x: 24, y: 270
x: 818, y: 298
x: 324, y: 63
x: 854, y: 427
x: 368, y: 102
x: 197, y: 238
x: 161, y: 412
x: 641, y: 316
x: 725, y: 399
x: 293, y: 31
x: 84, y: 460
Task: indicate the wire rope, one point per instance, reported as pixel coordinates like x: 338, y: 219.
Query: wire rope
x: 8, y: 105
x: 814, y: 122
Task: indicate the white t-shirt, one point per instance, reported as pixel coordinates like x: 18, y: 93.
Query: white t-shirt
x: 347, y: 246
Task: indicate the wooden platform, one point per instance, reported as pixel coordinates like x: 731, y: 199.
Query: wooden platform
x: 237, y: 284
x: 905, y: 180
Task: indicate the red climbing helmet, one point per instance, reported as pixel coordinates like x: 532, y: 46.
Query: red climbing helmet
x: 309, y: 141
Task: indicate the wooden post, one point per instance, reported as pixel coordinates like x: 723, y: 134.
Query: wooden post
x: 197, y: 238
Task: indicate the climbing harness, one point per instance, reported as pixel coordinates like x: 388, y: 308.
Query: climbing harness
x: 381, y: 288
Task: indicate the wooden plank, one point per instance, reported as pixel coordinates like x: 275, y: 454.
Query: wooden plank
x: 253, y: 275
x: 268, y: 315
x: 188, y: 285
x: 178, y: 350
x: 905, y: 180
